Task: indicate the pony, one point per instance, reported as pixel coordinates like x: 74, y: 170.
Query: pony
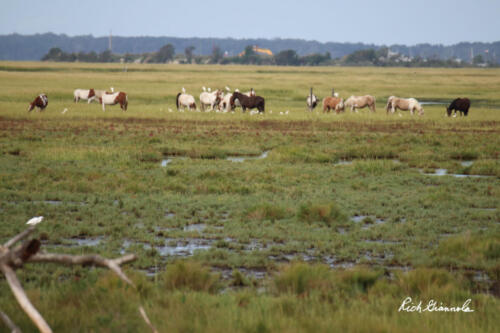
x: 405, y: 104
x: 333, y: 103
x: 247, y: 102
x: 118, y: 97
x: 41, y: 101
x: 87, y: 95
x: 459, y: 104
x: 210, y: 99
x: 225, y: 102
x: 184, y: 100
x: 360, y: 102
x: 311, y: 101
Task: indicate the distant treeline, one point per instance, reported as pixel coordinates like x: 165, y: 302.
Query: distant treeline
x: 167, y: 54
x: 34, y: 47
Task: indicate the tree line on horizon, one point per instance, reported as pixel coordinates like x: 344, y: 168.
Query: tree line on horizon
x: 166, y: 54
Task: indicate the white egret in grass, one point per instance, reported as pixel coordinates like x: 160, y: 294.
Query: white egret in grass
x: 183, y: 90
x: 112, y: 89
x: 203, y: 88
x: 228, y: 89
x: 64, y: 111
x: 35, y: 220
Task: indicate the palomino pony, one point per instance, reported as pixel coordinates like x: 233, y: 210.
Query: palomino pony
x: 84, y: 94
x: 405, y: 104
x: 118, y: 97
x: 210, y: 99
x: 459, y: 104
x: 359, y: 102
x: 41, y: 101
x: 185, y: 101
x: 248, y: 102
x: 333, y: 103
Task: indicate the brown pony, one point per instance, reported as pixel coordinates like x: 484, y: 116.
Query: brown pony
x: 333, y: 103
x: 41, y: 101
x: 459, y: 104
x: 252, y: 102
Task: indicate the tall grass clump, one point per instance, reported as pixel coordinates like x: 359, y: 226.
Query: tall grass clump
x: 190, y: 275
x: 301, y: 278
x: 329, y: 213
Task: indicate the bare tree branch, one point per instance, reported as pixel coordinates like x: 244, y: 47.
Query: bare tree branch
x: 112, y: 264
x: 20, y: 236
x: 10, y: 324
x: 23, y: 300
x: 146, y: 319
x: 27, y: 252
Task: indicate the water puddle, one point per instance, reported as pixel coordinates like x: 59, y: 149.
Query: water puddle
x: 183, y: 247
x: 343, y: 162
x: 381, y: 241
x: 73, y: 242
x: 368, y: 220
x: 169, y: 214
x: 466, y: 163
x: 432, y: 103
x: 240, y: 159
x: 199, y: 227
x: 165, y: 162
x: 444, y: 172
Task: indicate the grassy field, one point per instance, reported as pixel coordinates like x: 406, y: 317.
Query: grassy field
x: 255, y: 223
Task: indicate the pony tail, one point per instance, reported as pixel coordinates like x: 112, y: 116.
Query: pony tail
x: 177, y: 100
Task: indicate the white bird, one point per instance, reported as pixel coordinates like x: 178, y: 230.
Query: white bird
x: 228, y: 89
x: 281, y: 113
x: 336, y: 94
x: 271, y: 112
x: 183, y: 90
x: 169, y: 110
x: 64, y: 111
x: 112, y: 89
x: 35, y: 220
x: 204, y: 89
x: 209, y: 90
x: 286, y: 112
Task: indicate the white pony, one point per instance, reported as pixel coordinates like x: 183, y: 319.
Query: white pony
x: 85, y: 94
x: 405, y: 104
x: 210, y: 99
x: 184, y: 100
x: 311, y: 102
x: 118, y: 97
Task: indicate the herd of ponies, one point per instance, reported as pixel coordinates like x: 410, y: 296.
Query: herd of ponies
x: 227, y: 101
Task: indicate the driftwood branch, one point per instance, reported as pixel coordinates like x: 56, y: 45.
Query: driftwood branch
x: 10, y: 259
x: 23, y: 300
x: 19, y: 236
x: 10, y: 324
x: 96, y: 260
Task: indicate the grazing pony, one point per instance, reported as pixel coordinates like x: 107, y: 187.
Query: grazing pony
x: 311, y: 102
x: 459, y: 104
x: 84, y: 94
x: 248, y: 102
x: 333, y: 103
x: 404, y: 104
x: 359, y: 102
x: 41, y: 101
x: 210, y: 99
x: 118, y: 97
x: 184, y: 100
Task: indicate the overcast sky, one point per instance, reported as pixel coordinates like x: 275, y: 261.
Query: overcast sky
x: 379, y: 22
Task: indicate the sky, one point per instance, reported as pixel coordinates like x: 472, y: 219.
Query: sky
x: 381, y: 22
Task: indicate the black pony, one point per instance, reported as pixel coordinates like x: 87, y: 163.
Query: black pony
x: 459, y: 104
x: 246, y: 102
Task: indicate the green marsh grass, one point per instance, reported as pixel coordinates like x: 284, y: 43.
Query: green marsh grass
x: 98, y: 174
